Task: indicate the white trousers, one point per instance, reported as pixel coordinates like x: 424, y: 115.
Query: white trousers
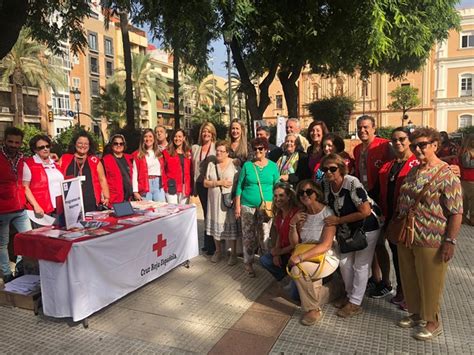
x: 355, y: 268
x: 178, y: 199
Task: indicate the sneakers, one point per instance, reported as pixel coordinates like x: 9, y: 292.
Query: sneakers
x: 381, y: 290
x: 371, y: 284
x: 349, y: 310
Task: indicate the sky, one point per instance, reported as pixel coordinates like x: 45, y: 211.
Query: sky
x: 219, y: 53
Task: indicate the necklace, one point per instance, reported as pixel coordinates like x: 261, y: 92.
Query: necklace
x: 395, y: 170
x: 200, y: 153
x: 13, y: 162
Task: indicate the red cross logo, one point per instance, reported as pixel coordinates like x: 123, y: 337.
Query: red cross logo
x: 159, y: 245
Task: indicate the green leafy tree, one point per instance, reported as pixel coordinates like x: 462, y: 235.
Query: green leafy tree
x: 29, y: 132
x: 62, y: 140
x: 334, y: 111
x: 50, y: 22
x: 404, y: 99
x: 25, y: 65
x: 111, y: 105
x: 207, y: 114
x: 385, y: 132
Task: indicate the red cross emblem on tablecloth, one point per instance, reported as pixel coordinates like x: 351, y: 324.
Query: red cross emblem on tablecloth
x: 159, y: 245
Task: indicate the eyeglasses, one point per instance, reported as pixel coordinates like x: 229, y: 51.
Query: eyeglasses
x: 118, y: 143
x: 260, y: 149
x: 41, y: 147
x: 221, y: 151
x: 401, y: 140
x: 421, y: 145
x: 308, y: 192
x: 332, y: 169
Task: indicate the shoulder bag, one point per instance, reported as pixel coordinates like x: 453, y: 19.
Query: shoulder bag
x: 401, y: 229
x: 266, y: 206
x: 227, y: 199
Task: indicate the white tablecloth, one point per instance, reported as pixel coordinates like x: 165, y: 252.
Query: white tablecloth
x: 100, y: 271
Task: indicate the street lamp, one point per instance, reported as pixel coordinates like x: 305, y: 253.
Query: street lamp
x: 227, y: 41
x: 77, y: 97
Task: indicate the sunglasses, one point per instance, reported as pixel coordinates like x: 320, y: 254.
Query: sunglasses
x: 260, y: 149
x: 118, y: 143
x: 401, y: 140
x: 308, y: 192
x: 41, y: 147
x: 421, y: 145
x: 332, y: 169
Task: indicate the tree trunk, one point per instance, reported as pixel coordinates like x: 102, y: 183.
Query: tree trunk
x: 127, y: 59
x: 288, y: 79
x: 17, y: 92
x: 12, y: 19
x: 176, y: 87
x: 255, y: 107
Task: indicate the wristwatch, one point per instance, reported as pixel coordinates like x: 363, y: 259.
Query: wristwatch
x: 452, y: 241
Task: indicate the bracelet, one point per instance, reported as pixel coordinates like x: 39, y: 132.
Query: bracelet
x: 450, y: 240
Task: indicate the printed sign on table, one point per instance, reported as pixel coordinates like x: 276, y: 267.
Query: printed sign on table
x: 73, y: 203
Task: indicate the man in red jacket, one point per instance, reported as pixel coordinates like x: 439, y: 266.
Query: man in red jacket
x: 12, y: 196
x: 370, y: 156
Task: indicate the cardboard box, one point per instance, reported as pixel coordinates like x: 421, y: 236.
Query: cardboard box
x: 30, y: 301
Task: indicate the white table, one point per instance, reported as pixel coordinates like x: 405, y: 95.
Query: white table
x: 100, y: 271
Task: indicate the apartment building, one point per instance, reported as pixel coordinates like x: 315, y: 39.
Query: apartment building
x: 444, y: 86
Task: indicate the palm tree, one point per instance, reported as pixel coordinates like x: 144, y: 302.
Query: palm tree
x: 28, y: 64
x: 111, y: 104
x: 204, y: 92
x: 145, y: 79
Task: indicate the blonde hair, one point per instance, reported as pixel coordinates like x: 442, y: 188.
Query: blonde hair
x: 242, y: 149
x: 211, y: 128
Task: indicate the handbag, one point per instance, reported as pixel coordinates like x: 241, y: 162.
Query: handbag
x: 266, y: 206
x: 227, y: 199
x: 318, y: 259
x: 401, y: 229
x: 351, y: 240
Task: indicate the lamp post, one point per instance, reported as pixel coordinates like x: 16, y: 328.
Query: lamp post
x: 77, y: 97
x: 227, y: 41
x: 364, y: 89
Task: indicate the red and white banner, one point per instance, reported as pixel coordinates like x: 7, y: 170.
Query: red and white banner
x: 100, y: 271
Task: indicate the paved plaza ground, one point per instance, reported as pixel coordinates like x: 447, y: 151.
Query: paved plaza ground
x: 217, y: 309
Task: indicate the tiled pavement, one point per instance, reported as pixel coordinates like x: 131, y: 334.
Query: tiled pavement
x: 218, y: 309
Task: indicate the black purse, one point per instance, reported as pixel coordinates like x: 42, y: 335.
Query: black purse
x: 227, y: 199
x: 351, y: 240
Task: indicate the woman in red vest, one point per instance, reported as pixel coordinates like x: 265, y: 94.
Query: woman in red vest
x: 41, y: 177
x: 391, y: 177
x: 118, y: 169
x: 81, y: 161
x: 148, y: 169
x: 177, y: 177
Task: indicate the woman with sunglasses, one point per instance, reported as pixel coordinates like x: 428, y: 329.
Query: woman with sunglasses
x: 177, y: 169
x: 81, y: 161
x: 256, y: 178
x: 308, y: 226
x: 438, y: 216
x: 293, y: 162
x: 284, y: 208
x: 391, y: 177
x: 147, y: 177
x: 118, y: 169
x: 351, y: 204
x: 41, y: 177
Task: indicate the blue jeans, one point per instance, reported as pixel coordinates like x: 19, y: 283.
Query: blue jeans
x: 156, y: 192
x: 22, y: 224
x: 278, y: 272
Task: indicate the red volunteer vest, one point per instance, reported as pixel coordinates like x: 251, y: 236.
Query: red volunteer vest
x: 172, y: 170
x: 12, y: 193
x: 93, y: 162
x: 383, y: 179
x: 114, y: 176
x: 39, y: 182
x: 378, y: 153
x: 142, y: 173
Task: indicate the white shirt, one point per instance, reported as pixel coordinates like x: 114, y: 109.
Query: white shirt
x: 154, y: 168
x: 55, y: 178
x: 313, y: 226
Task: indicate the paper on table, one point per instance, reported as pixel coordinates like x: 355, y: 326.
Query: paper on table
x: 44, y: 221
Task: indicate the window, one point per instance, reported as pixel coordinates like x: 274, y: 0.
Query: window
x: 76, y: 83
x: 465, y: 120
x: 279, y: 102
x: 164, y: 69
x: 61, y: 104
x: 95, y: 87
x: 108, y: 47
x: 93, y: 42
x: 75, y: 59
x: 467, y: 40
x: 94, y: 65
x: 466, y: 85
x: 109, y: 68
x: 405, y: 84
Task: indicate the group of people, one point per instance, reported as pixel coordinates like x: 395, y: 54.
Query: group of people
x: 267, y: 199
